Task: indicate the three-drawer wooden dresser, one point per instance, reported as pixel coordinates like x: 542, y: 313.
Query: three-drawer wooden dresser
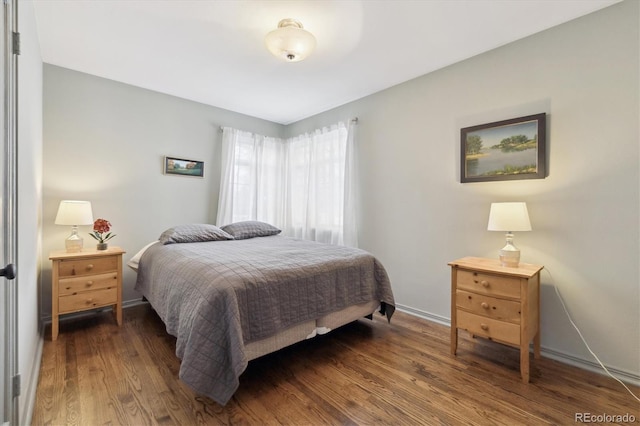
x: 497, y: 302
x: 85, y: 280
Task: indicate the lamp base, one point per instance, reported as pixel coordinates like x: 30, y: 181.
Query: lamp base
x: 510, y: 258
x: 510, y: 254
x: 74, y: 242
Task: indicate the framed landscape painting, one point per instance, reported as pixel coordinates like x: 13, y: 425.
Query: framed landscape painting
x: 504, y: 150
x: 182, y: 167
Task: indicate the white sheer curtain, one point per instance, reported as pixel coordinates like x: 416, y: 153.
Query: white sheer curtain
x: 305, y: 185
x: 253, y: 180
x: 351, y: 193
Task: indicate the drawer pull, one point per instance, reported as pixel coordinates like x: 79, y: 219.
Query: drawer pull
x: 89, y: 283
x: 484, y: 305
x: 90, y: 266
x: 89, y: 301
x: 485, y: 327
x: 484, y: 283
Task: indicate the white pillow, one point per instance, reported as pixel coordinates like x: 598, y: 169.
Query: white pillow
x: 135, y: 260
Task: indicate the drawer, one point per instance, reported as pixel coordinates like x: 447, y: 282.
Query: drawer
x: 95, y: 265
x: 75, y: 285
x: 491, y: 307
x: 489, y: 284
x: 88, y: 300
x: 482, y: 326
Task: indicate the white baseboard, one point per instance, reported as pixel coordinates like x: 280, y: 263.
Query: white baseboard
x: 425, y: 315
x: 625, y: 376
x: 29, y: 396
x: 125, y: 305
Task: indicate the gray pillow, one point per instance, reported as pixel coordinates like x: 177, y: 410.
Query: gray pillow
x: 194, y: 233
x: 250, y: 229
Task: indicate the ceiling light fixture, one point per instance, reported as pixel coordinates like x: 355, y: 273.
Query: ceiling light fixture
x: 290, y: 42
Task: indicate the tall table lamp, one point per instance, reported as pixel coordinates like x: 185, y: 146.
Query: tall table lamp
x: 74, y: 213
x: 509, y: 217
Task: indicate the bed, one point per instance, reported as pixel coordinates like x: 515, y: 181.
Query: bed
x: 235, y: 293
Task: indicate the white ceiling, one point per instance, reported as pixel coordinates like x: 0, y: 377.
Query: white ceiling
x: 213, y: 51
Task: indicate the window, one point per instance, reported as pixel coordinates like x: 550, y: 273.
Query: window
x: 296, y: 184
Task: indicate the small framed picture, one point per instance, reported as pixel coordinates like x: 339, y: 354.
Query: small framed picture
x: 504, y: 150
x: 182, y: 167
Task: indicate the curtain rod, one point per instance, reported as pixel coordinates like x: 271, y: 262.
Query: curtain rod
x: 354, y: 120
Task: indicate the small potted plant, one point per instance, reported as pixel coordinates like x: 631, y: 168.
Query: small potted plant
x: 101, y: 228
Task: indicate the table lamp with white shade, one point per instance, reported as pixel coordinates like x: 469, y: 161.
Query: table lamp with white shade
x: 509, y: 217
x: 74, y: 213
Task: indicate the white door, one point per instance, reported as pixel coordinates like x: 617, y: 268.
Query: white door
x: 9, y: 379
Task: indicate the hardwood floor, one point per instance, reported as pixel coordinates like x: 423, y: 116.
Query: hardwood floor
x: 368, y: 372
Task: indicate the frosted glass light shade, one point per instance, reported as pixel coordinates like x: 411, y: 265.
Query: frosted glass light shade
x: 509, y: 217
x: 74, y: 213
x: 290, y: 42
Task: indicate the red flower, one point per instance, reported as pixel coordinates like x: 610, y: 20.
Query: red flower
x: 100, y: 227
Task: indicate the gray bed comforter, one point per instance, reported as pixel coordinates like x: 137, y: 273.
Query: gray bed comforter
x: 216, y: 296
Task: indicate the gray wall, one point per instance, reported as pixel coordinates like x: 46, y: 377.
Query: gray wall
x: 104, y: 142
x: 416, y: 215
x: 29, y: 207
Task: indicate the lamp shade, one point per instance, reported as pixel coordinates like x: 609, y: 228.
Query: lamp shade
x: 290, y: 42
x: 71, y: 212
x: 509, y: 217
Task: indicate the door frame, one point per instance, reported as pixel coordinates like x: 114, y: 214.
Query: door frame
x: 10, y: 379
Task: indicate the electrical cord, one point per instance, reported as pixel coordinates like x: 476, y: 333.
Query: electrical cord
x: 582, y: 337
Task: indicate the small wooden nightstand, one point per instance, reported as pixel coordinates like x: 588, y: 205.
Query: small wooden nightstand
x: 86, y: 280
x: 497, y: 302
